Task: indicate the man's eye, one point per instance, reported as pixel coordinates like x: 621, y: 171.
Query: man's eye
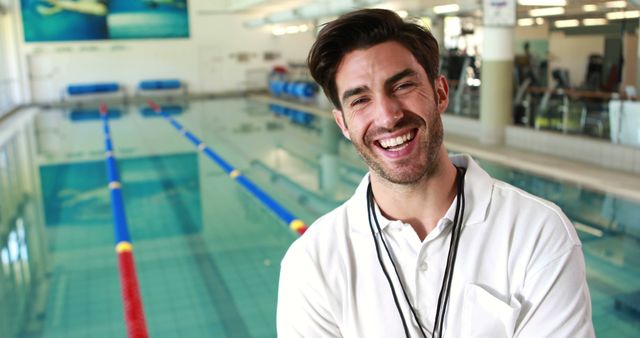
x: 358, y: 101
x: 405, y: 85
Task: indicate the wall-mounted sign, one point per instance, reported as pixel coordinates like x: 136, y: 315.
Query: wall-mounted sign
x: 499, y: 12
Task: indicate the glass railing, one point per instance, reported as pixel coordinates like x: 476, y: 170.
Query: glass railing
x: 6, y: 98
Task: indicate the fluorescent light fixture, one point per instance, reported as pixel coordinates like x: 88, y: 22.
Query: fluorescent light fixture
x: 623, y: 15
x: 594, y: 22
x: 446, y: 9
x: 539, y: 21
x: 277, y: 31
x: 567, y: 23
x: 402, y: 14
x: 615, y: 4
x: 546, y: 11
x: 542, y: 2
x: 292, y: 29
x: 589, y: 8
x: 526, y: 22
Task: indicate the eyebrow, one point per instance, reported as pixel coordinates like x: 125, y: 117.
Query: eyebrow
x: 354, y: 91
x: 387, y: 83
x: 398, y: 76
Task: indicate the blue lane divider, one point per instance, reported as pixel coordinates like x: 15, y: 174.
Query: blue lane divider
x: 294, y: 223
x: 119, y: 216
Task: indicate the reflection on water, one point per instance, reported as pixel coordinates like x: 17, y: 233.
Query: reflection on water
x: 21, y: 234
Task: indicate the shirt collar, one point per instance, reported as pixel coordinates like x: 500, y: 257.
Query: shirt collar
x: 478, y: 188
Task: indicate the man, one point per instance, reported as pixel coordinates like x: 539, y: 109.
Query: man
x: 429, y: 245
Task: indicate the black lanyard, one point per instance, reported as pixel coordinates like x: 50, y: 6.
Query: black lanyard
x: 445, y: 289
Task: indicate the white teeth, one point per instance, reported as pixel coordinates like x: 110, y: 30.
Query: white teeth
x: 396, y: 141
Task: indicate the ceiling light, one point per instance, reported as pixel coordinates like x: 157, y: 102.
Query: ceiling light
x: 594, y: 22
x: 402, y: 14
x: 292, y: 29
x: 526, y: 22
x: 566, y: 23
x: 589, y: 8
x: 542, y: 2
x: 546, y: 11
x: 616, y: 4
x: 446, y: 9
x: 539, y: 21
x: 623, y: 15
x: 279, y: 31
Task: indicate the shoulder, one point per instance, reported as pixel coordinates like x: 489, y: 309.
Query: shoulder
x: 539, y: 233
x: 328, y: 239
x: 513, y: 212
x: 319, y: 240
x: 540, y: 215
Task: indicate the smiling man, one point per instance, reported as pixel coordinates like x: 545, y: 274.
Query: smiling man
x: 429, y: 245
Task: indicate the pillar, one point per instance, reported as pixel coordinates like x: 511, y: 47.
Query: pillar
x: 496, y: 90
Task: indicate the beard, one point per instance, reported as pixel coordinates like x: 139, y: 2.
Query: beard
x: 411, y: 170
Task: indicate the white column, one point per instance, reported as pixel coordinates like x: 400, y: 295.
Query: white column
x: 497, y: 71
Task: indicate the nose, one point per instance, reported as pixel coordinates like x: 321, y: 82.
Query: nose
x: 389, y: 112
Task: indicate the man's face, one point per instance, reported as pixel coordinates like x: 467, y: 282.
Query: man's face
x: 390, y: 111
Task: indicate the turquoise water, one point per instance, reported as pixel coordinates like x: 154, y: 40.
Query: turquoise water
x: 207, y: 253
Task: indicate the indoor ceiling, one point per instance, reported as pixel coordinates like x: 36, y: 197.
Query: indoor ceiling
x: 280, y: 11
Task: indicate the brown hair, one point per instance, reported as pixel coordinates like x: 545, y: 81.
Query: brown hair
x: 362, y: 29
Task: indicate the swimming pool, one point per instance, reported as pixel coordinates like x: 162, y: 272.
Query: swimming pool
x: 207, y: 252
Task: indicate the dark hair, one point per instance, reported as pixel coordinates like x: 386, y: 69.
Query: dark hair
x: 362, y: 29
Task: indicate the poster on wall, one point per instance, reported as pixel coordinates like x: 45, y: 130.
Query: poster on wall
x: 76, y: 20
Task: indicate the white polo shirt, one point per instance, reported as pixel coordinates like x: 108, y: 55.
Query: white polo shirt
x: 519, y: 271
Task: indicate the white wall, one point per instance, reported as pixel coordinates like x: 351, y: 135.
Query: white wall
x: 596, y: 152
x: 5, y: 99
x: 532, y: 32
x: 16, y: 78
x: 9, y: 67
x: 572, y: 52
x: 206, y: 62
x: 593, y: 151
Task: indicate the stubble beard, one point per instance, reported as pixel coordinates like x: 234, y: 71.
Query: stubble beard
x: 431, y: 144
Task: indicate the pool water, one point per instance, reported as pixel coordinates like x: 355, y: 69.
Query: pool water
x: 207, y: 252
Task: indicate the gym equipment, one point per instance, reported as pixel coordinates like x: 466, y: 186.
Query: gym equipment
x: 554, y: 107
x: 466, y: 94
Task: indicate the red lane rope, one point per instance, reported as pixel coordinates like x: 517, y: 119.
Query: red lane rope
x: 133, y: 311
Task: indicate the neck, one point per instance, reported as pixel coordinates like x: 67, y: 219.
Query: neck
x: 421, y: 204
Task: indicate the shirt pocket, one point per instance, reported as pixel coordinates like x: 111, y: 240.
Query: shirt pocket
x: 485, y: 315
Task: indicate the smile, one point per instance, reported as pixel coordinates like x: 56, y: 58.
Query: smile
x: 397, y: 143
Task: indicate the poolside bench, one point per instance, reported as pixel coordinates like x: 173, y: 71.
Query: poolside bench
x: 161, y: 87
x: 81, y: 93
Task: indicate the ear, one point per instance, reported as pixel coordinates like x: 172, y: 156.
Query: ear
x: 442, y: 93
x: 339, y: 117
